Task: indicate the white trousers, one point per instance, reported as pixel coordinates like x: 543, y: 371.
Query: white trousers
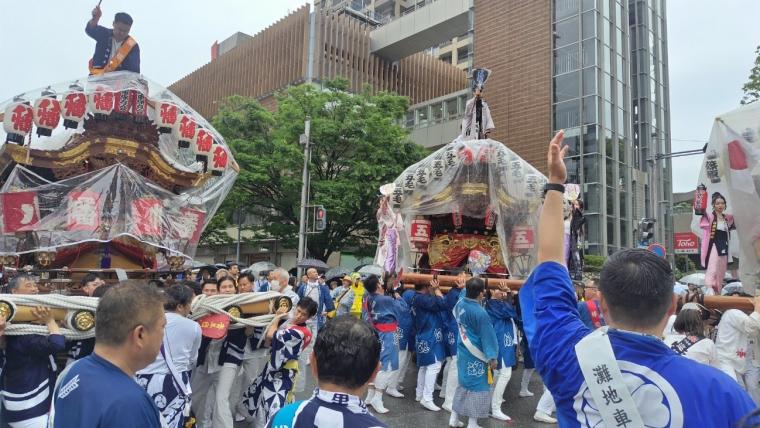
x: 426, y: 380
x: 546, y: 403
x: 403, y: 363
x: 383, y: 379
x: 222, y: 413
x: 500, y: 383
x: 452, y: 379
x: 752, y: 383
x: 203, y: 385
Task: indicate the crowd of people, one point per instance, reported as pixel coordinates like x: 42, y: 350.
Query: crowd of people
x: 619, y: 350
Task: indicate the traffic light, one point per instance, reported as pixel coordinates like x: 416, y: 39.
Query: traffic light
x: 646, y: 228
x: 320, y: 218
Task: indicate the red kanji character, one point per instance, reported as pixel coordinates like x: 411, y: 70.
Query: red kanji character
x: 203, y: 141
x: 22, y: 118
x: 75, y: 105
x: 186, y: 127
x: 168, y: 114
x: 48, y: 113
x: 220, y: 157
x: 104, y: 101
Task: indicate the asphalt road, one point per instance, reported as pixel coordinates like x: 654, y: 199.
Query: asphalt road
x: 406, y: 413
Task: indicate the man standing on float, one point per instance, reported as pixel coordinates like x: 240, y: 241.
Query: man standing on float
x: 115, y: 49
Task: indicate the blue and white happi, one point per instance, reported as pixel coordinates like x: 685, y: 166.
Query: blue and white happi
x: 167, y: 395
x: 450, y: 329
x: 668, y: 389
x: 427, y: 310
x: 384, y: 314
x: 503, y: 316
x: 474, y: 323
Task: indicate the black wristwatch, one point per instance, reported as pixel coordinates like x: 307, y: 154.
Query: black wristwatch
x: 554, y: 186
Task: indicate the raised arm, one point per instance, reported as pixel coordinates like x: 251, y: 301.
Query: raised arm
x: 550, y: 224
x: 96, y: 14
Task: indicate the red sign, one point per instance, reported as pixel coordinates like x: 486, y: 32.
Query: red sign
x: 420, y: 235
x: 685, y: 243
x: 21, y: 211
x: 214, y: 326
x: 521, y: 239
x: 148, y: 214
x: 83, y: 213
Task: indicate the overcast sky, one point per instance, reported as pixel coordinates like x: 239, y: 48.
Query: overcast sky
x: 711, y: 48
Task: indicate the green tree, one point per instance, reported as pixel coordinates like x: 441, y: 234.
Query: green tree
x: 752, y: 87
x: 357, y: 145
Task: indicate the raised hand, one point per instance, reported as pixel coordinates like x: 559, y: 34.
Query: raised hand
x: 556, y: 159
x: 97, y: 13
x: 461, y: 280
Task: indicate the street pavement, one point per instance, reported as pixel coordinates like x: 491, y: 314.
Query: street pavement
x: 407, y: 413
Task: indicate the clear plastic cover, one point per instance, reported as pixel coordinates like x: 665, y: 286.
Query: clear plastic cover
x: 112, y: 158
x: 477, y: 195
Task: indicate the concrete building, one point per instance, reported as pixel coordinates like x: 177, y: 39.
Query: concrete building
x: 596, y: 68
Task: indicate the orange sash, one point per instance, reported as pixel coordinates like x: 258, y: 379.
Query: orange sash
x: 117, y: 59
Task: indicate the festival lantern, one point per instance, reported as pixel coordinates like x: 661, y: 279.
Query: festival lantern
x: 422, y: 176
x: 490, y: 219
x: 219, y: 159
x: 409, y: 182
x: 130, y: 102
x: 713, y: 167
x: 184, y: 130
x: 83, y: 211
x: 21, y: 211
x: 202, y: 145
x: 420, y: 235
x: 521, y: 242
x: 101, y: 103
x: 438, y: 168
x: 17, y: 121
x: 168, y: 114
x: 74, y: 107
x: 468, y: 158
x: 47, y: 113
x: 700, y: 200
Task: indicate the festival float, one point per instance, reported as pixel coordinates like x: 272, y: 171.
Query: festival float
x: 472, y: 205
x: 112, y: 174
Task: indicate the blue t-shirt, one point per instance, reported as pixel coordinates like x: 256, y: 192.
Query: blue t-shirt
x: 95, y: 393
x: 668, y: 389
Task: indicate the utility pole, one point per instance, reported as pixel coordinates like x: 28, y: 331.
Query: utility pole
x: 304, y: 140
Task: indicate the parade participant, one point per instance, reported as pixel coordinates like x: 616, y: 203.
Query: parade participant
x: 738, y: 347
x: 217, y: 372
x: 167, y: 379
x: 115, y: 49
x: 406, y: 344
x: 30, y: 370
x: 690, y: 340
x: 622, y: 374
x: 319, y: 293
x: 263, y: 283
x: 234, y: 270
x: 281, y: 282
x: 338, y: 293
x: 716, y: 234
x: 588, y: 309
x: 577, y: 236
x: 450, y: 333
x: 273, y: 388
x: 383, y: 314
x: 502, y: 313
x: 359, y: 297
x: 79, y: 349
x: 210, y: 287
x: 99, y: 390
x: 472, y: 129
x: 246, y: 282
x: 343, y: 342
x: 478, y: 351
x: 427, y: 304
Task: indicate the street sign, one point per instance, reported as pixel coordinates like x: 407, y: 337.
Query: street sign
x: 685, y: 243
x: 657, y: 249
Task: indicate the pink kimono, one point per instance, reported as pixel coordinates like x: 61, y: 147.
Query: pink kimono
x: 715, y: 263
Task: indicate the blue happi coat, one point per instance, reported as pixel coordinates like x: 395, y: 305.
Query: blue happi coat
x: 503, y: 317
x: 406, y: 323
x: 473, y: 320
x: 668, y: 389
x: 427, y: 310
x: 450, y: 329
x: 383, y: 311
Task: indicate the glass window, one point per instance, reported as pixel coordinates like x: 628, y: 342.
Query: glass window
x: 573, y: 169
x: 566, y: 32
x: 592, y: 227
x: 588, y: 4
x: 462, y: 102
x: 593, y: 198
x: 610, y: 174
x: 618, y: 15
x: 410, y: 119
x: 565, y: 8
x: 620, y: 100
x: 589, y: 24
x: 619, y: 70
x: 591, y: 169
x: 589, y: 110
x: 572, y: 140
x: 451, y: 109
x: 589, y: 81
x: 607, y: 81
x: 606, y: 64
x: 566, y: 59
x: 422, y: 116
x: 621, y: 155
x: 567, y: 86
x: 567, y: 114
x: 589, y: 52
x: 624, y: 238
x: 611, y: 226
x: 590, y: 142
x: 606, y: 8
x: 605, y: 31
x: 437, y: 112
x: 641, y: 14
x: 608, y: 143
x: 620, y: 124
x: 607, y: 118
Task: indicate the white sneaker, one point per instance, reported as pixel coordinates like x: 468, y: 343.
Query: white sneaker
x: 498, y: 414
x: 393, y: 392
x: 377, y: 404
x: 447, y: 406
x: 430, y: 405
x: 543, y: 417
x: 526, y: 393
x: 459, y: 424
x: 418, y: 398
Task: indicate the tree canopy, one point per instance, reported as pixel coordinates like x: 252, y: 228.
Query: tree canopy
x: 752, y: 87
x: 357, y: 145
